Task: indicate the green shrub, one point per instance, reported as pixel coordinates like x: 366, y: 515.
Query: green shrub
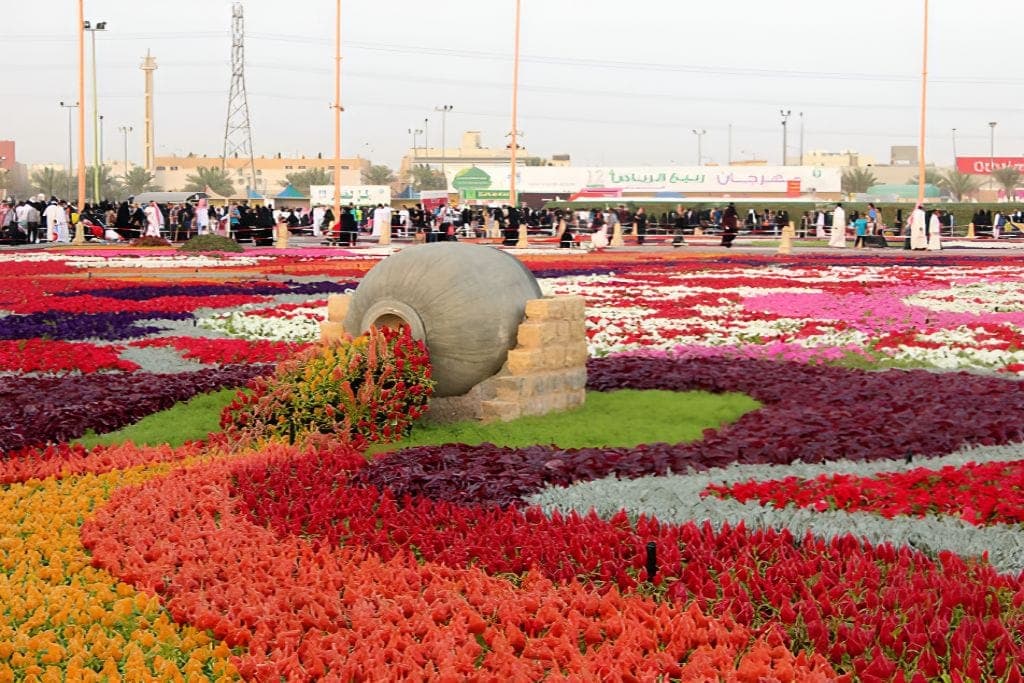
x: 362, y: 390
x: 211, y: 243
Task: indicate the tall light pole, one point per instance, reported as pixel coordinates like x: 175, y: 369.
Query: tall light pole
x: 412, y: 164
x: 924, y: 110
x: 785, y: 141
x: 102, y: 133
x: 991, y: 153
x: 954, y: 147
x: 337, y: 112
x: 81, y: 109
x: 444, y: 109
x: 69, y: 107
x: 801, y: 138
x: 700, y: 135
x: 124, y: 131
x: 513, y: 197
x: 97, y: 161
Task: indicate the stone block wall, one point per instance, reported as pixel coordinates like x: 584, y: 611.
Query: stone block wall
x: 546, y: 371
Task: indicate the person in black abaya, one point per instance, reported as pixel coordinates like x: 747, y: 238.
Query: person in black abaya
x: 729, y: 229
x: 349, y: 229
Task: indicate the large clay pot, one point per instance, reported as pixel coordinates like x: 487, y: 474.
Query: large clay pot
x: 465, y: 301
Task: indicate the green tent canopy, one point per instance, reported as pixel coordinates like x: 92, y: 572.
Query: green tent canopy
x: 290, y: 193
x: 893, y: 192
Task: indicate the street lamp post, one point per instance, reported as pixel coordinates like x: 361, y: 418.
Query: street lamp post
x: 444, y: 150
x: 97, y: 161
x: 700, y: 135
x: 124, y: 131
x: 337, y: 113
x: 801, y: 138
x: 954, y: 147
x: 991, y: 152
x: 785, y: 141
x: 101, y: 140
x: 69, y: 107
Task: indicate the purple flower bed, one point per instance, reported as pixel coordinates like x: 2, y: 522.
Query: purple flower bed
x: 40, y: 410
x: 261, y: 288
x: 810, y: 413
x: 72, y: 326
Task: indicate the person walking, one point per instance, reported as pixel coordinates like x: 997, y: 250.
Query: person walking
x: 729, y: 229
x: 918, y: 223
x: 838, y: 237
x: 935, y: 231
x: 640, y: 225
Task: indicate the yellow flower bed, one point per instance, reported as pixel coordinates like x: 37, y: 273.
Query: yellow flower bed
x: 62, y: 619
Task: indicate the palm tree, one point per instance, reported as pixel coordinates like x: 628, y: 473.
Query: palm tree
x: 378, y: 175
x: 426, y: 178
x: 51, y: 182
x: 217, y: 179
x: 1007, y: 178
x: 109, y: 187
x: 301, y: 180
x: 858, y: 180
x: 931, y: 177
x: 959, y: 185
x: 138, y: 180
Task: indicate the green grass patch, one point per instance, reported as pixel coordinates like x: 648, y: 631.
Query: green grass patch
x: 186, y: 421
x: 614, y: 418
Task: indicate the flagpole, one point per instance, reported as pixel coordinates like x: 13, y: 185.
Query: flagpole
x: 337, y: 113
x: 924, y: 108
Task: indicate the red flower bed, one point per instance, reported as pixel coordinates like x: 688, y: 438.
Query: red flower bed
x: 227, y: 351
x: 276, y: 558
x: 992, y: 493
x: 303, y: 610
x: 47, y: 355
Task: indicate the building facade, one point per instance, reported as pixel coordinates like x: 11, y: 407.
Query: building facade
x: 171, y: 172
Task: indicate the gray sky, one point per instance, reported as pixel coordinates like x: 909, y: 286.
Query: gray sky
x: 609, y: 82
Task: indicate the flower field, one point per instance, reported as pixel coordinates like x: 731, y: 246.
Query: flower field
x: 863, y: 524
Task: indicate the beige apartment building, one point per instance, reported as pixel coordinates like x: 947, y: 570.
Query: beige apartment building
x: 471, y: 152
x: 171, y: 172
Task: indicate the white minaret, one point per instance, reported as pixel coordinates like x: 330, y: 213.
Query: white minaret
x: 149, y: 151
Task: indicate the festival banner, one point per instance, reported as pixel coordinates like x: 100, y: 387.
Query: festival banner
x: 985, y: 165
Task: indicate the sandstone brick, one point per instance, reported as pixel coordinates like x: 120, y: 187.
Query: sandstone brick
x: 525, y: 361
x: 554, y: 357
x: 499, y: 411
x: 545, y: 309
x: 575, y: 398
x: 575, y: 307
x: 536, y: 334
x: 337, y: 307
x: 576, y: 354
x: 331, y: 331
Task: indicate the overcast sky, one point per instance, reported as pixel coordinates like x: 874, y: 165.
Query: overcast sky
x: 609, y: 82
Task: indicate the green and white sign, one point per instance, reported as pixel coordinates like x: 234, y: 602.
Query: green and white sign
x: 471, y: 178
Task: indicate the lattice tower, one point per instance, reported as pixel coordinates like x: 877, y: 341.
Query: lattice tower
x: 238, y: 129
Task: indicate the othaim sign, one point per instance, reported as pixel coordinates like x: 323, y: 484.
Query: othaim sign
x: 985, y: 165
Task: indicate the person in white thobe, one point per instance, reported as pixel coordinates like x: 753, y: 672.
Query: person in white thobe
x: 819, y: 225
x: 935, y: 232
x: 599, y: 238
x: 202, y: 217
x: 918, y: 223
x: 154, y: 220
x: 318, y: 219
x: 381, y: 218
x: 56, y: 218
x: 838, y: 237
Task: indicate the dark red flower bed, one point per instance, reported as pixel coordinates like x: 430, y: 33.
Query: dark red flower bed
x: 40, y: 410
x: 811, y: 413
